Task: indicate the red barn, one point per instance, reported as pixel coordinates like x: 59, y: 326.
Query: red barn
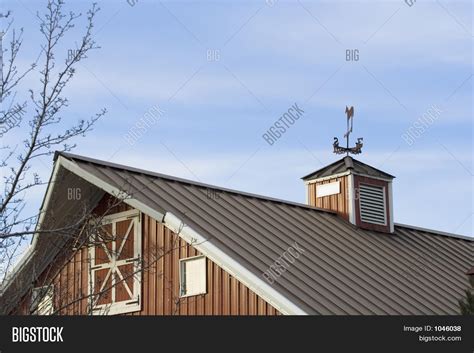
x: 113, y: 239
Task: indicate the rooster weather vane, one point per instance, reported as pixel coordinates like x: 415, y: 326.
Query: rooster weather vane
x: 358, y: 147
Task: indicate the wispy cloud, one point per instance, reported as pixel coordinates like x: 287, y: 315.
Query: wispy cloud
x: 278, y: 55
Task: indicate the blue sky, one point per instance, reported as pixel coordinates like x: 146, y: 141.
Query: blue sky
x: 223, y: 72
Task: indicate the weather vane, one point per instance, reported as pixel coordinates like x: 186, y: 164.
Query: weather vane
x: 358, y: 147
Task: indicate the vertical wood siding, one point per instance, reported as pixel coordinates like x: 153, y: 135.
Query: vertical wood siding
x: 338, y: 203
x: 161, y: 250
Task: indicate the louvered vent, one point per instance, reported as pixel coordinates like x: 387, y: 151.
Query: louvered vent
x: 372, y: 204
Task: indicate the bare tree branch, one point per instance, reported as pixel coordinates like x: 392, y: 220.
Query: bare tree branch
x: 40, y: 116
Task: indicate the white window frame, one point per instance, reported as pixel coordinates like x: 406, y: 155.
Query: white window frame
x: 45, y: 306
x: 182, y: 285
x: 134, y: 304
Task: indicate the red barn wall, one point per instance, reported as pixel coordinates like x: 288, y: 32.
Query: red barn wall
x: 161, y: 250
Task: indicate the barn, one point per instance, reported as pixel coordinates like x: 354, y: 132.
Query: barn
x: 116, y: 240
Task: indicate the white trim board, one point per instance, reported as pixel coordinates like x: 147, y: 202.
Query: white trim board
x: 351, y: 197
x: 342, y: 174
x: 74, y: 168
x: 390, y: 205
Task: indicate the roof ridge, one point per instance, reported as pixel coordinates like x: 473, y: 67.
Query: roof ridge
x: 72, y: 156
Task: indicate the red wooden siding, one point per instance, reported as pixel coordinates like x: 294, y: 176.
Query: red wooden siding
x: 160, y: 288
x: 161, y: 250
x: 338, y: 203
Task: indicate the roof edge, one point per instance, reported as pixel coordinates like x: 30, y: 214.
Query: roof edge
x: 29, y: 252
x: 318, y: 170
x: 349, y: 162
x: 435, y: 232
x: 72, y: 157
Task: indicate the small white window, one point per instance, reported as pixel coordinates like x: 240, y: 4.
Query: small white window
x: 192, y: 274
x: 42, y: 300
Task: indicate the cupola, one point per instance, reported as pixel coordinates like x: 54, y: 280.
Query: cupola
x: 357, y: 191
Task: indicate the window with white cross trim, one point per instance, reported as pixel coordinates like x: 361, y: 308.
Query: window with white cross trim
x: 115, y: 260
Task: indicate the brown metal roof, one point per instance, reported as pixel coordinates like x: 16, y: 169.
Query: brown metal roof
x: 343, y: 270
x: 345, y: 164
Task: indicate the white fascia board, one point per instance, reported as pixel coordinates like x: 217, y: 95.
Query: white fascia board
x: 74, y: 168
x: 249, y: 279
x: 390, y: 205
x: 119, y: 216
x: 351, y: 196
x: 349, y: 172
